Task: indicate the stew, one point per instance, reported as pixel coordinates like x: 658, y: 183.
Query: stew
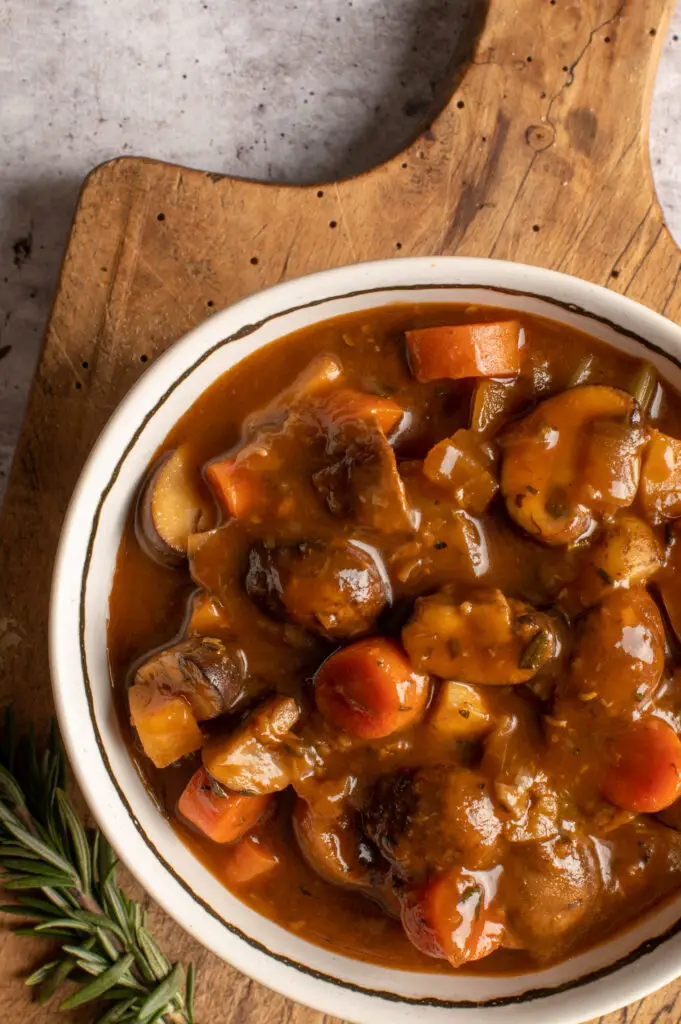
x: 395, y: 636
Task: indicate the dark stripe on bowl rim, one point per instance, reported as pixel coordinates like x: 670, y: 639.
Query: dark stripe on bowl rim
x: 459, y: 1004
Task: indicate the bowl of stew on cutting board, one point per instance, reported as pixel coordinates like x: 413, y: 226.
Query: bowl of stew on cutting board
x: 366, y: 640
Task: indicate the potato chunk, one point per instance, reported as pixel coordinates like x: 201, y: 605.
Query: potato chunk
x: 487, y: 639
x: 459, y: 712
x: 166, y: 727
x: 463, y: 467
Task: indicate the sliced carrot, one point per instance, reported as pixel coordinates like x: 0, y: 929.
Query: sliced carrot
x: 165, y: 725
x: 248, y: 860
x: 370, y: 689
x: 644, y: 770
x: 223, y: 817
x: 240, y: 490
x: 454, y: 916
x: 467, y: 350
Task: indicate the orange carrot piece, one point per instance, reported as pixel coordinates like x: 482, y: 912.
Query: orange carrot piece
x: 249, y: 859
x: 454, y: 917
x: 224, y: 818
x: 240, y: 490
x: 644, y: 770
x: 467, y: 350
x: 370, y: 689
x: 166, y: 726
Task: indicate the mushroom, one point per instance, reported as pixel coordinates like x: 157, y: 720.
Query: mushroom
x: 172, y: 505
x: 334, y: 845
x: 576, y: 456
x: 208, y: 673
x: 253, y: 758
x: 627, y: 553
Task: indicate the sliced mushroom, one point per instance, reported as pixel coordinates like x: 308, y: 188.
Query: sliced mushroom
x: 254, y: 758
x: 577, y: 456
x: 208, y: 673
x: 487, y: 639
x: 172, y: 505
x: 627, y: 553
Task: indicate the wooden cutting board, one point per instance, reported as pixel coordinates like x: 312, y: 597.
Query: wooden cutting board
x: 541, y: 156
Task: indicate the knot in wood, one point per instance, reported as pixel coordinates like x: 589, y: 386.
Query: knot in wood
x: 540, y: 136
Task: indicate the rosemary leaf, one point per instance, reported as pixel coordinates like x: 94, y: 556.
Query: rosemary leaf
x: 15, y: 850
x: 114, y: 903
x: 81, y: 846
x: 30, y: 866
x: 69, y: 875
x: 35, y: 904
x: 15, y: 882
x: 107, y: 944
x: 94, y: 846
x: 42, y: 974
x: 158, y: 961
x: 67, y: 923
x: 86, y: 955
x: 97, y: 987
x: 13, y: 825
x: 161, y: 995
x: 118, y: 1013
x: 100, y: 921
x: 9, y: 788
x: 58, y: 899
x: 56, y: 980
x: 19, y: 911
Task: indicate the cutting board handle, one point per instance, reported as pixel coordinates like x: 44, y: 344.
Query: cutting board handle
x: 541, y: 155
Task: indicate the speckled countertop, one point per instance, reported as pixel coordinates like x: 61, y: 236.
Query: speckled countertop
x: 294, y: 91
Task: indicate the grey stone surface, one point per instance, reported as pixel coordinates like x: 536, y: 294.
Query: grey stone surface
x: 296, y: 91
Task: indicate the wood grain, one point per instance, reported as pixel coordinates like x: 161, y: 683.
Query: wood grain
x: 541, y: 156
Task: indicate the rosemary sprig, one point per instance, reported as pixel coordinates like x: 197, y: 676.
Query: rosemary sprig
x: 64, y: 875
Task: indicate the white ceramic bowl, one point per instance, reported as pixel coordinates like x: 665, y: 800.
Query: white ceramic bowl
x: 602, y: 979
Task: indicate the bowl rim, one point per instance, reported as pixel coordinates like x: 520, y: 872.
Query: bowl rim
x: 589, y: 294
